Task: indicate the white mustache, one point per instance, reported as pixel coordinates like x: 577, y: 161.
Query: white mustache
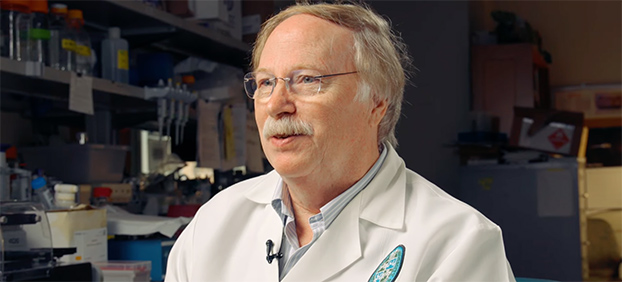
x: 286, y: 126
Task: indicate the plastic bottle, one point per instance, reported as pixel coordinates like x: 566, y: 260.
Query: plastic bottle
x: 43, y: 192
x: 62, y: 39
x: 39, y: 33
x: 83, y: 51
x: 14, y: 25
x: 115, y: 58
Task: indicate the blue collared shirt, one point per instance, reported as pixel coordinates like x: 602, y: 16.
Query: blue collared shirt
x: 281, y: 203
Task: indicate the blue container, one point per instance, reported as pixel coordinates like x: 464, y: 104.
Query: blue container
x: 154, y: 250
x: 152, y: 67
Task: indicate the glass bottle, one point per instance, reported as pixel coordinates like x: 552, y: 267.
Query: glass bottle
x: 39, y: 33
x: 14, y: 26
x: 83, y: 51
x: 62, y: 39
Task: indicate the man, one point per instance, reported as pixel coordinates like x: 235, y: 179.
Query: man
x: 340, y: 205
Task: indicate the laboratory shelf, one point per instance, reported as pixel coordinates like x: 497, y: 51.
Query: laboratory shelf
x: 54, y: 84
x: 143, y: 25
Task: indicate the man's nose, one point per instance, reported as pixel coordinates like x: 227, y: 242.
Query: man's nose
x: 281, y: 101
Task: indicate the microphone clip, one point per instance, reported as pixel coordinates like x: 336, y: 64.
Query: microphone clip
x: 269, y: 255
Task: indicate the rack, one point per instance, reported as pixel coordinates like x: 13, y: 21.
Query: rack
x: 144, y: 25
x: 54, y: 84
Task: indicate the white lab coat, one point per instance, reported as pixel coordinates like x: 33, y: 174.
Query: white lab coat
x: 444, y: 239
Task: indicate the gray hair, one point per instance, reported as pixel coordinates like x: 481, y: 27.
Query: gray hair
x: 380, y: 57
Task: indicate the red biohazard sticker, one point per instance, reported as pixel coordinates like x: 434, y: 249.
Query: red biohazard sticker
x: 558, y: 139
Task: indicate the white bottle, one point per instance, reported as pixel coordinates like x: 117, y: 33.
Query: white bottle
x: 115, y: 57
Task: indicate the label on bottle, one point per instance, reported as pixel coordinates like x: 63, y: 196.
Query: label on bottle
x: 68, y: 44
x: 39, y: 34
x: 123, y: 60
x: 83, y: 50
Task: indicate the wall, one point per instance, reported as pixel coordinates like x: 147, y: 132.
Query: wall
x: 437, y: 102
x: 436, y: 106
x: 14, y: 129
x: 584, y: 37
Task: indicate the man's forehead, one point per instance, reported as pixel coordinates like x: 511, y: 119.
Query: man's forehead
x: 309, y: 36
x: 314, y: 27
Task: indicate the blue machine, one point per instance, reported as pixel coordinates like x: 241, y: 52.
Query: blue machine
x: 154, y: 250
x: 537, y: 207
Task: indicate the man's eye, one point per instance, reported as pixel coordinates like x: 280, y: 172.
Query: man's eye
x: 265, y: 83
x: 306, y: 79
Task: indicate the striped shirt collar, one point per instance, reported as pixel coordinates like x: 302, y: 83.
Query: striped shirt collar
x: 281, y: 201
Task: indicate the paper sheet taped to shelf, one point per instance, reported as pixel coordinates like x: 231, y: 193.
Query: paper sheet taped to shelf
x: 81, y: 94
x: 209, y: 142
x: 221, y: 135
x: 254, y: 154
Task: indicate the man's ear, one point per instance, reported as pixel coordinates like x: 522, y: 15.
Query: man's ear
x: 379, y: 110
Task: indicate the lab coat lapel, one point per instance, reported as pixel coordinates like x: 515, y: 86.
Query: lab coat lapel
x: 382, y: 202
x: 337, y: 248
x: 271, y: 228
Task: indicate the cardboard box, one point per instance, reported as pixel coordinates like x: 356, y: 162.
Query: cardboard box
x: 254, y: 13
x: 180, y: 8
x: 594, y: 101
x: 222, y: 15
x: 121, y: 192
x: 85, y: 230
x: 547, y: 130
x: 222, y: 10
x: 84, y: 194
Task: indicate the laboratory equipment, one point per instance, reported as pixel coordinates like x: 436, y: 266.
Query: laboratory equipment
x: 15, y: 22
x: 62, y: 39
x: 152, y: 149
x: 39, y: 33
x: 83, y: 51
x: 115, y: 58
x: 27, y: 242
x: 173, y: 105
x: 153, y: 251
x: 536, y: 206
x: 44, y: 195
x: 75, y: 163
x: 14, y: 182
x: 5, y: 188
x: 20, y: 184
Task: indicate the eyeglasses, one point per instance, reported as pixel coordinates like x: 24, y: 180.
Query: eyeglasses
x: 260, y: 85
